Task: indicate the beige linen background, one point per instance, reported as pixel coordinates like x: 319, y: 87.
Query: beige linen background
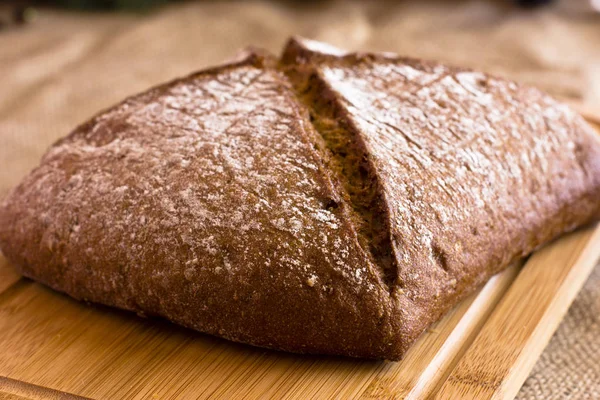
x: 65, y: 67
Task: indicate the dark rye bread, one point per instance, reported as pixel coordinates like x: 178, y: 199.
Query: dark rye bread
x: 332, y: 203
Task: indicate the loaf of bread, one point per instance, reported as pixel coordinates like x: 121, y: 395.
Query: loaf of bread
x: 326, y: 202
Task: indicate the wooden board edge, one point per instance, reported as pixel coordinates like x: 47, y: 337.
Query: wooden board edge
x: 15, y: 389
x: 500, y: 384
x: 434, y: 354
x: 553, y: 316
x: 464, y: 333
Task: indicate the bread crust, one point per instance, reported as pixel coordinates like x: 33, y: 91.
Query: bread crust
x: 211, y: 201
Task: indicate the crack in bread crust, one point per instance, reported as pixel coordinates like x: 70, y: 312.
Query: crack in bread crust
x: 347, y: 159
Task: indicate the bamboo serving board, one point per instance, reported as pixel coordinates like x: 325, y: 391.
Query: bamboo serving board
x: 52, y: 347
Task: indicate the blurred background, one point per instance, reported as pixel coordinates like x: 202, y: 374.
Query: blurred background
x: 61, y: 61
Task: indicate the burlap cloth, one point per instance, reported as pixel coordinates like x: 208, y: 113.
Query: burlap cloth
x: 63, y: 68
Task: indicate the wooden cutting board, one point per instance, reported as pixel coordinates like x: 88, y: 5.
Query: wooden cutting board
x: 52, y: 347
